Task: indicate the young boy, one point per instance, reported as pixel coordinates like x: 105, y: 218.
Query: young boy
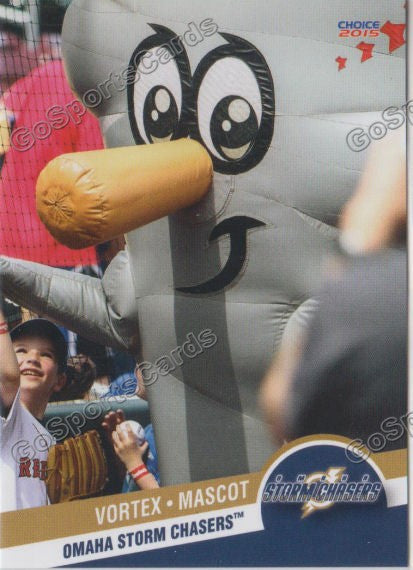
x: 32, y: 368
x: 142, y: 475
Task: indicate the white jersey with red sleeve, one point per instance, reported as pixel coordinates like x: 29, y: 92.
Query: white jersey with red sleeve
x: 24, y: 448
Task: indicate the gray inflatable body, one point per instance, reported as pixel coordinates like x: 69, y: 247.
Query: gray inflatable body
x: 204, y: 297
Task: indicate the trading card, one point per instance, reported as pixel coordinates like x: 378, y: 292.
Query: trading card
x: 203, y: 272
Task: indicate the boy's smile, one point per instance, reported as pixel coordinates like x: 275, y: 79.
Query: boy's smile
x: 38, y: 363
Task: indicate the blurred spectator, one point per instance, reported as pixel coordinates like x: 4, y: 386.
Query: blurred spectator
x: 17, y: 59
x: 107, y: 251
x: 348, y: 373
x: 124, y: 384
x: 47, y: 120
x: 100, y: 385
x: 376, y: 216
x: 12, y: 313
x: 352, y: 372
x: 80, y: 374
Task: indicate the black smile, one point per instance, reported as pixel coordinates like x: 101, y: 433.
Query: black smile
x: 237, y: 228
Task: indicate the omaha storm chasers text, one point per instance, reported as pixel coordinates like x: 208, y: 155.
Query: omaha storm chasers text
x: 153, y: 535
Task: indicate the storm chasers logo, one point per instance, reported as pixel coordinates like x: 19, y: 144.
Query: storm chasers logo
x: 321, y: 490
x: 312, y: 476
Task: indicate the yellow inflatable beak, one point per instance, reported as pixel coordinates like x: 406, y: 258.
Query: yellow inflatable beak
x: 87, y: 198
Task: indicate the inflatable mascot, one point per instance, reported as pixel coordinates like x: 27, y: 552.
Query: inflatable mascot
x: 232, y: 132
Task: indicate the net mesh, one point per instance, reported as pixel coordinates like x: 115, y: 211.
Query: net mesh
x: 41, y: 118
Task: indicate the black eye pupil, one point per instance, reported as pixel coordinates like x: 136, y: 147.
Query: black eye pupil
x: 234, y: 127
x: 160, y: 114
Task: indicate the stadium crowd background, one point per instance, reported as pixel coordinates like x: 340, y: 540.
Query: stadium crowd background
x: 32, y: 82
x: 32, y: 88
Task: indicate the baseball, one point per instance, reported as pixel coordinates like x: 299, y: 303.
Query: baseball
x: 136, y: 428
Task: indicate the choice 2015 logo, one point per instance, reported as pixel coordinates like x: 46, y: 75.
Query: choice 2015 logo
x: 358, y: 28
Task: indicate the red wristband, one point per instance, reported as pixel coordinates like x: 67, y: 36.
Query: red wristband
x: 139, y: 472
x: 4, y: 328
x: 137, y: 468
x: 139, y: 476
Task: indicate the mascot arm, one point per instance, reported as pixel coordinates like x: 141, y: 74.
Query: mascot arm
x: 103, y: 310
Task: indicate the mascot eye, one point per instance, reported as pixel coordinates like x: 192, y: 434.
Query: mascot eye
x: 160, y: 114
x: 229, y: 109
x: 234, y: 127
x: 235, y: 105
x: 157, y: 101
x: 157, y: 89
